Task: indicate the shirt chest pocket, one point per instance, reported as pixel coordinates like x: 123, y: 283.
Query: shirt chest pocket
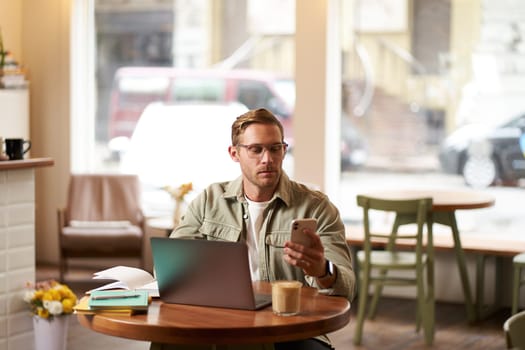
x: 217, y: 231
x: 277, y: 239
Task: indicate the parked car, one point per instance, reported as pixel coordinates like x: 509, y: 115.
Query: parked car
x: 136, y: 87
x: 486, y: 155
x: 181, y: 143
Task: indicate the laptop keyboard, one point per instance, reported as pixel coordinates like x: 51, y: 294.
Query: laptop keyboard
x: 263, y: 299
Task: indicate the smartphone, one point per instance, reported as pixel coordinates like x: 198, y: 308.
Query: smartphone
x: 297, y: 230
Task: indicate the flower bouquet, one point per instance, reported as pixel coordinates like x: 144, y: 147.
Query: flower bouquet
x: 50, y: 298
x: 178, y: 194
x: 50, y: 303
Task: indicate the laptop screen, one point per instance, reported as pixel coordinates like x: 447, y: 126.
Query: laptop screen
x: 202, y: 272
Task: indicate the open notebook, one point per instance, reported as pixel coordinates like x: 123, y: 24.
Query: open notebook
x: 208, y: 273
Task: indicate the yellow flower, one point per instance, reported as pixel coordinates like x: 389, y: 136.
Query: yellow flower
x: 178, y: 193
x: 63, y: 291
x: 70, y: 295
x: 42, y: 312
x: 39, y: 294
x: 50, y: 298
x: 49, y: 295
x: 68, y: 304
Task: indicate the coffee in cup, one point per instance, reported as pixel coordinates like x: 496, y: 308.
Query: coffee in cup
x: 16, y: 148
x: 286, y: 297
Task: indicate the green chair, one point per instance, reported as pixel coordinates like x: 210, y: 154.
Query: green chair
x: 375, y: 265
x: 518, y: 262
x: 514, y: 334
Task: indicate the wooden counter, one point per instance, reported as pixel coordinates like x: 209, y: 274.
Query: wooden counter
x: 25, y: 163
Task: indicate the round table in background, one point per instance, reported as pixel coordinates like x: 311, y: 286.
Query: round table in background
x: 444, y: 206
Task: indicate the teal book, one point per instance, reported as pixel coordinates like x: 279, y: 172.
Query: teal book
x: 119, y: 299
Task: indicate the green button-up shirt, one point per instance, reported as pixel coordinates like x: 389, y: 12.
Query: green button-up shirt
x: 220, y: 212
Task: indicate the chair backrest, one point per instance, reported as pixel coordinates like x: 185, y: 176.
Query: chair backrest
x: 514, y: 328
x: 419, y: 208
x: 104, y: 197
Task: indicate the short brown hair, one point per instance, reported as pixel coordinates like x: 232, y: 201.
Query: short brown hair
x: 254, y: 116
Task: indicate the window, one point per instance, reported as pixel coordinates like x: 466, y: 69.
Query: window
x: 403, y: 97
x: 431, y: 113
x: 162, y: 53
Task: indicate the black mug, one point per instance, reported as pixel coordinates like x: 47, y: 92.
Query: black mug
x: 14, y: 148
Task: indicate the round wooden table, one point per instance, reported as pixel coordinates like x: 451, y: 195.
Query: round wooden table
x: 186, y: 324
x: 444, y: 206
x: 442, y: 200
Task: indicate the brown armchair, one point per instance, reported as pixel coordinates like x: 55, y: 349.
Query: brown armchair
x: 103, y: 218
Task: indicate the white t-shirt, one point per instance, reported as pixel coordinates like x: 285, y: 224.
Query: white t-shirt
x: 255, y: 220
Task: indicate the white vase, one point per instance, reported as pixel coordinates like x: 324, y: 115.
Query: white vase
x: 51, y: 334
x: 178, y: 212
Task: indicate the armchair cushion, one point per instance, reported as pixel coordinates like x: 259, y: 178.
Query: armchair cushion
x: 96, y: 238
x: 99, y: 224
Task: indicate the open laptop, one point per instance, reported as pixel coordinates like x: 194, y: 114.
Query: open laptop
x: 207, y: 273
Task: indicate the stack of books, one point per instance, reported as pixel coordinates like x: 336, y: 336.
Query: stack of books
x: 12, y: 75
x: 120, y: 302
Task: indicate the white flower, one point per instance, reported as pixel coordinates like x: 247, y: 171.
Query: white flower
x: 28, y: 295
x: 54, y: 307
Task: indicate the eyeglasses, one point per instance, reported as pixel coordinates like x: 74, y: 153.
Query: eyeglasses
x: 256, y: 150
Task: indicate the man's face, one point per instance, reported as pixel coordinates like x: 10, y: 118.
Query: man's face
x: 261, y: 171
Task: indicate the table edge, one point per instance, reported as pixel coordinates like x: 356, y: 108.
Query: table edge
x: 259, y: 335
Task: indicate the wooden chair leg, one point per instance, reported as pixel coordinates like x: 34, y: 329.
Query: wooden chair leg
x: 419, y: 318
x: 431, y: 300
x: 430, y: 327
x: 426, y: 310
x: 516, y: 289
x: 362, y: 296
x: 378, y: 290
x: 427, y: 316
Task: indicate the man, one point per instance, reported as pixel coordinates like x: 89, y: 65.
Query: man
x: 259, y: 207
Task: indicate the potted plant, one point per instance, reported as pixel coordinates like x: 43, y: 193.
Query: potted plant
x: 2, y: 54
x: 50, y: 303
